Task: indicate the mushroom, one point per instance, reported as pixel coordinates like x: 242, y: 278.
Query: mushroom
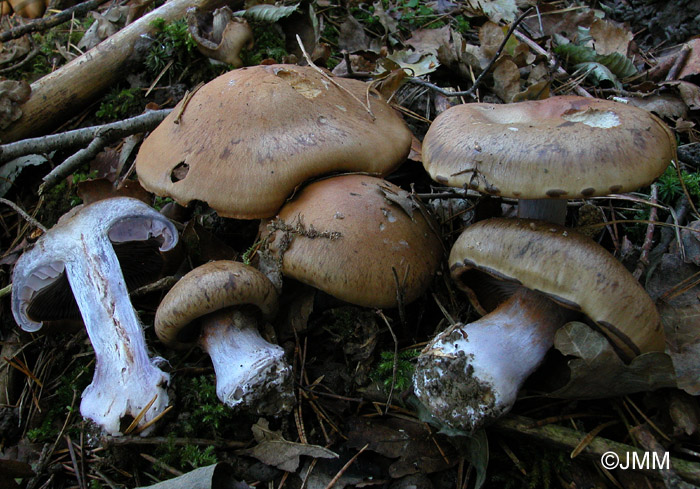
x: 349, y: 237
x: 529, y: 278
x: 563, y: 147
x: 219, y: 35
x: 79, y: 250
x: 216, y: 306
x: 244, y: 141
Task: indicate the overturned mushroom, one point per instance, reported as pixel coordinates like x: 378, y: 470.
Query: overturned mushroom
x: 79, y: 249
x: 219, y: 35
x: 215, y: 305
x: 529, y: 278
x: 546, y: 151
x: 350, y: 237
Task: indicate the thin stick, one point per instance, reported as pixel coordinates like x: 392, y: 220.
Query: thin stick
x: 643, y: 262
x: 81, y: 137
x: 72, y: 163
x: 477, y: 82
x: 24, y: 215
x: 396, y: 360
x: 330, y: 79
x: 345, y: 467
x: 48, y: 22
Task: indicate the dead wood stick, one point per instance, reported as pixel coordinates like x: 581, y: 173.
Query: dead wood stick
x: 83, y: 136
x: 48, y: 22
x: 74, y: 85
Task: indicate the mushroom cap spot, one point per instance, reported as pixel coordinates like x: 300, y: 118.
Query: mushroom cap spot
x: 567, y: 267
x: 354, y: 257
x: 138, y: 233
x: 252, y: 135
x: 567, y: 143
x: 206, y: 289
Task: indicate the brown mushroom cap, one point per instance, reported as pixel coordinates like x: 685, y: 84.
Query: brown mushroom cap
x: 245, y: 140
x: 562, y: 147
x: 568, y: 268
x: 209, y: 288
x: 345, y: 237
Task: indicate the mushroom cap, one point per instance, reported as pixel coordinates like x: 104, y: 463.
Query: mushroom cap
x: 245, y: 140
x: 561, y: 147
x: 565, y: 266
x: 345, y: 237
x: 206, y: 289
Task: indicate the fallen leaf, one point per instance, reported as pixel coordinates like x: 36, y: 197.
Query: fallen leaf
x: 596, y: 371
x: 692, y: 62
x: 400, y: 197
x: 417, y: 64
x: 667, y: 106
x: 689, y: 92
x: 609, y: 38
x: 219, y: 35
x: 495, y: 10
x: 411, y: 442
x: 565, y: 22
x: 391, y: 25
x: 429, y: 40
x: 217, y: 476
x: 267, y: 13
x: 100, y: 188
x: 14, y: 50
x: 352, y: 37
x: 12, y: 95
x: 11, y: 170
x: 272, y: 449
x: 506, y: 78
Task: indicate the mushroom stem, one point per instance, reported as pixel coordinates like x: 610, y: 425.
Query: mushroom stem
x: 250, y: 371
x: 125, y: 379
x: 552, y: 210
x: 470, y: 374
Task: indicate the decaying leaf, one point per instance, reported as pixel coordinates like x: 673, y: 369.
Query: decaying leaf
x: 391, y: 25
x: 401, y: 197
x: 12, y: 94
x: 416, y: 63
x: 272, y: 449
x: 609, y: 38
x: 267, y: 13
x: 217, y: 476
x: 689, y: 92
x: 11, y: 170
x: 429, y: 40
x: 692, y: 62
x: 596, y: 371
x: 506, y: 79
x: 352, y: 37
x: 411, y: 442
x: 104, y: 26
x: 495, y: 10
x: 667, y: 106
x: 12, y: 51
x: 101, y: 188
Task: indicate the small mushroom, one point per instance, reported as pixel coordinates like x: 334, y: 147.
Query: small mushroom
x: 216, y: 306
x: 244, y: 141
x: 529, y: 278
x: 219, y: 35
x: 349, y: 237
x: 79, y: 250
x: 550, y: 150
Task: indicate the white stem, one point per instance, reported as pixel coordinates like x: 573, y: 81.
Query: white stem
x: 250, y: 372
x: 125, y: 379
x: 471, y: 374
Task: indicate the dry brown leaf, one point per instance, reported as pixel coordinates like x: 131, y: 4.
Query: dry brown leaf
x: 429, y: 40
x: 689, y: 92
x: 410, y: 442
x: 101, y: 188
x: 506, y: 79
x: 352, y: 37
x: 553, y: 20
x: 692, y: 62
x: 12, y: 95
x: 596, y: 371
x: 490, y: 38
x: 272, y: 449
x: 609, y: 38
x: 667, y: 106
x: 217, y: 476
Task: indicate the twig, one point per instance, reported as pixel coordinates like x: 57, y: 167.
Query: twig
x: 81, y: 137
x: 48, y: 22
x: 330, y: 79
x: 477, y: 82
x: 74, y: 461
x: 395, y: 366
x: 643, y: 262
x: 552, y: 62
x: 162, y: 440
x: 30, y: 56
x: 569, y: 438
x: 73, y: 163
x: 345, y: 467
x: 679, y: 63
x: 24, y: 215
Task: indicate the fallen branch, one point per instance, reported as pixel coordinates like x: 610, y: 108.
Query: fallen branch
x: 81, y: 137
x: 568, y: 438
x: 76, y: 84
x: 52, y: 21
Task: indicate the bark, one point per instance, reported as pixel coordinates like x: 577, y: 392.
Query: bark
x: 73, y: 86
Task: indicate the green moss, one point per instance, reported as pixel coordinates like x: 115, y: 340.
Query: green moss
x: 670, y: 187
x: 269, y: 44
x: 120, y: 103
x: 384, y: 371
